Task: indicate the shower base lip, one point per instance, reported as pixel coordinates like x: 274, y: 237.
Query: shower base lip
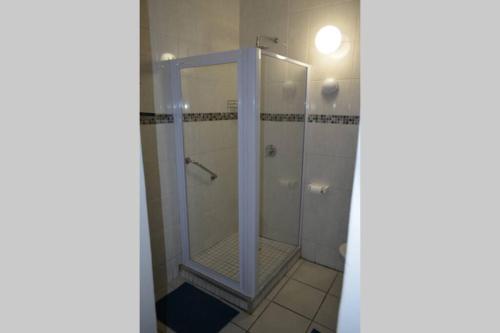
x: 215, y: 283
x: 232, y: 296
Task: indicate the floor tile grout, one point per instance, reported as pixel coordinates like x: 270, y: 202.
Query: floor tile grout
x: 286, y: 278
x: 331, y: 286
x: 324, y: 296
x: 287, y: 308
x: 309, y: 285
x: 321, y: 265
x: 324, y: 299
x: 256, y: 319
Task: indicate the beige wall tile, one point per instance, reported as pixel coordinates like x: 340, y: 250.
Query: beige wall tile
x: 298, y: 35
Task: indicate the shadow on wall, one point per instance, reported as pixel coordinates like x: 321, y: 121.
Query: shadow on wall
x: 150, y: 157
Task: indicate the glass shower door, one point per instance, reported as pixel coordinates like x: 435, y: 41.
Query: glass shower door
x: 210, y: 135
x: 282, y: 113
x: 216, y: 137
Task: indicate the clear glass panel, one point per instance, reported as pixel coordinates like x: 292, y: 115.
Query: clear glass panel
x: 282, y: 112
x: 211, y: 163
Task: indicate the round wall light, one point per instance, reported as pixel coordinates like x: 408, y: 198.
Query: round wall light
x: 330, y: 87
x: 167, y: 56
x: 328, y: 39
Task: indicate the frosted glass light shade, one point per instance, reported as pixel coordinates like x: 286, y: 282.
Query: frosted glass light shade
x: 167, y: 56
x: 328, y: 39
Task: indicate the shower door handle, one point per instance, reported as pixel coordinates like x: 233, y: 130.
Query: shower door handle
x: 213, y: 175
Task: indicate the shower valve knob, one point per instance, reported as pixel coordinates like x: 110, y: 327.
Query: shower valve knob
x: 271, y: 150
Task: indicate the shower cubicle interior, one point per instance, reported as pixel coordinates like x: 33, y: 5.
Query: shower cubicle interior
x: 239, y: 164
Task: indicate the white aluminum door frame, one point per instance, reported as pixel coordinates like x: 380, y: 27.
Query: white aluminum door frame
x: 248, y: 62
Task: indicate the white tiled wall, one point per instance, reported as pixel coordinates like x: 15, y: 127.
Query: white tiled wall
x: 181, y: 28
x: 329, y: 148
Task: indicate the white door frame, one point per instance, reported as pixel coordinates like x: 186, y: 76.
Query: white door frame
x: 248, y: 62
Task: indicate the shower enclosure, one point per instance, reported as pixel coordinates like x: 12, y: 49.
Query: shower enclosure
x: 239, y: 120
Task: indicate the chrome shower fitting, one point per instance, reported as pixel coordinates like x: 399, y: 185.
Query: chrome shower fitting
x: 258, y: 42
x: 271, y: 150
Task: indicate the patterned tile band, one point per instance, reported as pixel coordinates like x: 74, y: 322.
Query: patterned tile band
x: 282, y: 116
x: 209, y: 116
x: 333, y: 119
x: 152, y: 118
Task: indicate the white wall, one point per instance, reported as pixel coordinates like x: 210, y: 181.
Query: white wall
x: 148, y: 318
x: 152, y: 158
x: 330, y: 148
x: 349, y: 321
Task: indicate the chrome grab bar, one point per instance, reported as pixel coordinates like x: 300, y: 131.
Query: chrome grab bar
x: 212, y: 174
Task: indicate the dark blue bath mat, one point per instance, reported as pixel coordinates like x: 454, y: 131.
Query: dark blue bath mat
x: 189, y: 310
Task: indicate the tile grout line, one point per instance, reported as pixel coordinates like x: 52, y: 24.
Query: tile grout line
x: 272, y: 299
x: 256, y: 319
x: 322, y: 302
x: 315, y: 288
x: 287, y: 308
x: 288, y: 279
x: 334, y: 280
x: 284, y: 306
x: 316, y: 263
x: 333, y: 329
x: 324, y: 297
x: 319, y: 308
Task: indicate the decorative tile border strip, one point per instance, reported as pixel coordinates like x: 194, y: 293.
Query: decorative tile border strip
x: 282, y: 116
x: 167, y: 118
x: 209, y: 116
x: 333, y: 119
x: 147, y: 118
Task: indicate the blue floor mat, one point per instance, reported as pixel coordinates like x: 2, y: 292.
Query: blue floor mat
x: 189, y: 310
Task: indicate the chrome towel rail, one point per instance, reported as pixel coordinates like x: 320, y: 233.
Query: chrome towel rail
x: 213, y: 175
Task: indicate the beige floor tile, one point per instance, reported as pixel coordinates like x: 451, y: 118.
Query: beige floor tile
x: 295, y: 267
x: 277, y: 319
x: 300, y: 298
x: 319, y: 328
x: 328, y: 312
x: 272, y: 294
x: 336, y: 288
x: 315, y: 275
x: 162, y: 328
x: 245, y: 320
x: 231, y: 328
